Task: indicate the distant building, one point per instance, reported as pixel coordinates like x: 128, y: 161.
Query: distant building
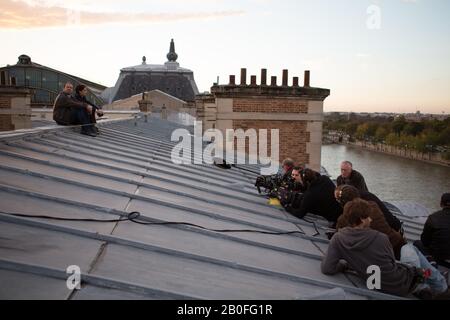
x: 45, y: 83
x: 168, y: 77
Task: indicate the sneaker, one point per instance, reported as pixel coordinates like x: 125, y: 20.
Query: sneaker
x: 424, y: 294
x: 443, y: 296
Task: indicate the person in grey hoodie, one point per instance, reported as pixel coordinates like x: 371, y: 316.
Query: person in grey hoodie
x: 361, y: 247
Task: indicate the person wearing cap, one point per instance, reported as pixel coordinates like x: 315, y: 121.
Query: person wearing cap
x: 435, y: 238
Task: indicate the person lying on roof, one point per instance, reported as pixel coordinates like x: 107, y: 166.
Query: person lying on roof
x: 318, y: 198
x: 346, y: 193
x: 359, y: 247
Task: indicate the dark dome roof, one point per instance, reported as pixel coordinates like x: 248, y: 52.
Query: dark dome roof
x: 24, y: 59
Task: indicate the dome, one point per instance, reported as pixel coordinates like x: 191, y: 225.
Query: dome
x: 24, y: 59
x: 168, y: 77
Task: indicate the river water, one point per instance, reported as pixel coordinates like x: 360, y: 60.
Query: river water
x: 392, y: 178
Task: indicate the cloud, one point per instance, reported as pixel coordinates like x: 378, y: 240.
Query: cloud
x: 33, y: 14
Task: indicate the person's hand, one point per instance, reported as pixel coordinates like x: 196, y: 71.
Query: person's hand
x: 89, y: 109
x: 99, y: 113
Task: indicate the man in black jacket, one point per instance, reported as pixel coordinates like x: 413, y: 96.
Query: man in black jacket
x: 318, y: 198
x: 351, y: 177
x: 68, y: 111
x: 81, y: 92
x: 435, y: 238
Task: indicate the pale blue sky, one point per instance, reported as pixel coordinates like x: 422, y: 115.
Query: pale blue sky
x: 403, y: 66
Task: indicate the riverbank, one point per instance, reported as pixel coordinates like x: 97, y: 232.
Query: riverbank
x: 392, y: 178
x: 433, y: 158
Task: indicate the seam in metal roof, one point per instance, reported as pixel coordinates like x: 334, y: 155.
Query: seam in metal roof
x: 57, y: 172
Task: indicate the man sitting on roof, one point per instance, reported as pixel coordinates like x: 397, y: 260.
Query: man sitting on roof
x: 435, y: 238
x: 358, y: 247
x: 81, y: 92
x: 351, y: 177
x: 68, y: 111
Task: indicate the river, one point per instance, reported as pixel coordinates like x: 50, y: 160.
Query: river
x: 392, y: 178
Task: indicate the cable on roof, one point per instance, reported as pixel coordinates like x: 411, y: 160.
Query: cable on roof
x: 134, y: 216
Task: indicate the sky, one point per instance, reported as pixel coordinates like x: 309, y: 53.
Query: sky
x: 374, y: 55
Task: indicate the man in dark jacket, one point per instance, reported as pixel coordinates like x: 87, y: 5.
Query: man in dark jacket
x: 435, y: 238
x: 68, y: 111
x: 358, y: 247
x: 318, y: 198
x: 351, y: 177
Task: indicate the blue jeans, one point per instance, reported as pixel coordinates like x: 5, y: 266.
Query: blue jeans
x: 412, y: 256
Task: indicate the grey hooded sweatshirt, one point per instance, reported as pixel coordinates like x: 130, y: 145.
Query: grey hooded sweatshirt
x: 361, y: 248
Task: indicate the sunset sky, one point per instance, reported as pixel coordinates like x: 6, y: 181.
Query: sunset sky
x: 376, y: 56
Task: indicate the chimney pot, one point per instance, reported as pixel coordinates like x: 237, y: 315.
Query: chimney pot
x: 253, y: 80
x: 295, y: 82
x: 285, y: 77
x: 307, y: 78
x: 3, y: 78
x: 263, y: 77
x: 273, y: 81
x: 243, y: 77
x: 232, y: 80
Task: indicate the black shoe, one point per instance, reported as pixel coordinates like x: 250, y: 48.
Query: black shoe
x: 89, y: 133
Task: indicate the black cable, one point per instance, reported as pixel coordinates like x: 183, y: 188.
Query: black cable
x: 134, y: 216
x: 315, y: 226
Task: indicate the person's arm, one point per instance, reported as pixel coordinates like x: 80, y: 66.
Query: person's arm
x: 358, y: 181
x: 304, y: 208
x: 427, y: 233
x: 331, y: 262
x: 342, y: 222
x: 392, y: 220
x: 66, y: 101
x: 92, y: 104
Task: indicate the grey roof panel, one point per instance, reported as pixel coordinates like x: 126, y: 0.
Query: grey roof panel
x: 25, y: 286
x: 63, y: 174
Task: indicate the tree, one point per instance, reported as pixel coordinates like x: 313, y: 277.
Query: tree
x: 372, y: 129
x: 381, y: 134
x: 392, y: 139
x: 398, y: 125
x: 444, y: 137
x: 350, y: 128
x: 361, y: 131
x: 413, y: 128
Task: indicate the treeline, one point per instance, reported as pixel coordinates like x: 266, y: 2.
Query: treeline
x: 424, y: 136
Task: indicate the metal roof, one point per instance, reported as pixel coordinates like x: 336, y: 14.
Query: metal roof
x: 58, y: 172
